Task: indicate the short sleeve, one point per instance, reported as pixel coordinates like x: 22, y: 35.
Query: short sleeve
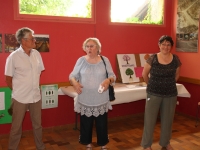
x: 41, y: 63
x: 76, y: 71
x: 39, y: 58
x: 9, y: 67
x: 178, y: 60
x: 150, y: 59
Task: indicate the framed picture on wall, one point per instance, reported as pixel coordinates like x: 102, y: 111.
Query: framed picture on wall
x: 42, y: 42
x: 11, y: 43
x: 187, y: 25
x: 0, y: 43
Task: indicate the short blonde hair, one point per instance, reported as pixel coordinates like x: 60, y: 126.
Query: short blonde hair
x: 98, y: 44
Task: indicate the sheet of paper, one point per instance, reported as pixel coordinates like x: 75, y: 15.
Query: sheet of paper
x: 143, y: 58
x: 127, y: 63
x: 138, y: 71
x: 2, y: 101
x: 49, y: 96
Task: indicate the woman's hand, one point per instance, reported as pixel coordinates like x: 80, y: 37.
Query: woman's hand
x: 105, y: 84
x: 78, y: 87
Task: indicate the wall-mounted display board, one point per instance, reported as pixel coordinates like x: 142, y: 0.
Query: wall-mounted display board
x: 11, y: 43
x: 5, y: 102
x: 42, y: 42
x: 0, y: 43
x: 49, y: 96
x: 130, y: 67
x: 187, y: 29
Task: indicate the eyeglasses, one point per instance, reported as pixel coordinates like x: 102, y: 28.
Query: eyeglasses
x: 168, y: 45
x: 89, y: 46
x: 32, y: 39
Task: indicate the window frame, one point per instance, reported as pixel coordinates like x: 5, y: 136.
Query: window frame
x: 140, y: 24
x: 18, y: 16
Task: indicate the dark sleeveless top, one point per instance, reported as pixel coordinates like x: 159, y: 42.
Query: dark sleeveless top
x: 162, y: 80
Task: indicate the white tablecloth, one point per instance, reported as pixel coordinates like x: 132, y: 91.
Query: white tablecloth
x: 125, y: 93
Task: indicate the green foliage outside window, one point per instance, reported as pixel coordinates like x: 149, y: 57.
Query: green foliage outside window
x: 146, y: 12
x: 65, y: 8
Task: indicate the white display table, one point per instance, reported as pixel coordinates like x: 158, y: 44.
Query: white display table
x: 124, y: 93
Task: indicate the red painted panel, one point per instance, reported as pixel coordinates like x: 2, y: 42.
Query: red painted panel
x: 66, y: 47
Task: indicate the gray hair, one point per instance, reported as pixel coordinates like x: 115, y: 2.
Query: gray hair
x: 22, y: 33
x: 97, y: 42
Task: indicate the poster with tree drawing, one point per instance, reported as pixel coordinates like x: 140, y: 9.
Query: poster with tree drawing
x: 127, y: 65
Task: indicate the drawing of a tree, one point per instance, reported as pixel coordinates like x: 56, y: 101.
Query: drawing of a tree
x: 126, y: 58
x: 129, y: 72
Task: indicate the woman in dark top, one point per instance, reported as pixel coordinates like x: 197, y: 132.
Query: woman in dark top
x: 161, y: 72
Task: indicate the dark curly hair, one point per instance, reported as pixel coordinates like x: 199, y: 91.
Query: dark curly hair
x: 166, y: 38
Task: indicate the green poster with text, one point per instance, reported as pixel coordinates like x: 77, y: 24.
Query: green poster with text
x: 5, y: 102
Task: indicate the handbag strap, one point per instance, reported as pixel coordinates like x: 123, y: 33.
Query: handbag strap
x: 104, y: 65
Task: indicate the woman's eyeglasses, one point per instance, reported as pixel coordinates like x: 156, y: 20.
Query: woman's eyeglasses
x: 168, y: 45
x: 89, y: 46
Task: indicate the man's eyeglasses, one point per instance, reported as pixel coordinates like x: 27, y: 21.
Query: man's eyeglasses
x: 89, y: 46
x: 32, y: 39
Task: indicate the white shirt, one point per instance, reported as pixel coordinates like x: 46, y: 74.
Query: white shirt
x: 25, y: 72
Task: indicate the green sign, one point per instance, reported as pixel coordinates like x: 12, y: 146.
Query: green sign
x: 5, y: 102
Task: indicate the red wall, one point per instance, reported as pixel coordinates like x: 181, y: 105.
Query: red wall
x: 66, y: 39
x: 66, y: 47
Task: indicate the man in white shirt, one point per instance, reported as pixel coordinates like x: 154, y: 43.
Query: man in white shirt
x: 22, y: 72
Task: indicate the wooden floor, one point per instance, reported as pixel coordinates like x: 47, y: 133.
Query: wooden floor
x: 124, y: 134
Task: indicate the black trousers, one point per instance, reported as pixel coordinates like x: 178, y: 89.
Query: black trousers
x: 86, y: 127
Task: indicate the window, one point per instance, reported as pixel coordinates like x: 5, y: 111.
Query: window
x: 55, y: 10
x: 137, y: 11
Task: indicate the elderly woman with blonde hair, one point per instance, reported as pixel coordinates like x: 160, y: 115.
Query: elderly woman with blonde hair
x: 88, y: 74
